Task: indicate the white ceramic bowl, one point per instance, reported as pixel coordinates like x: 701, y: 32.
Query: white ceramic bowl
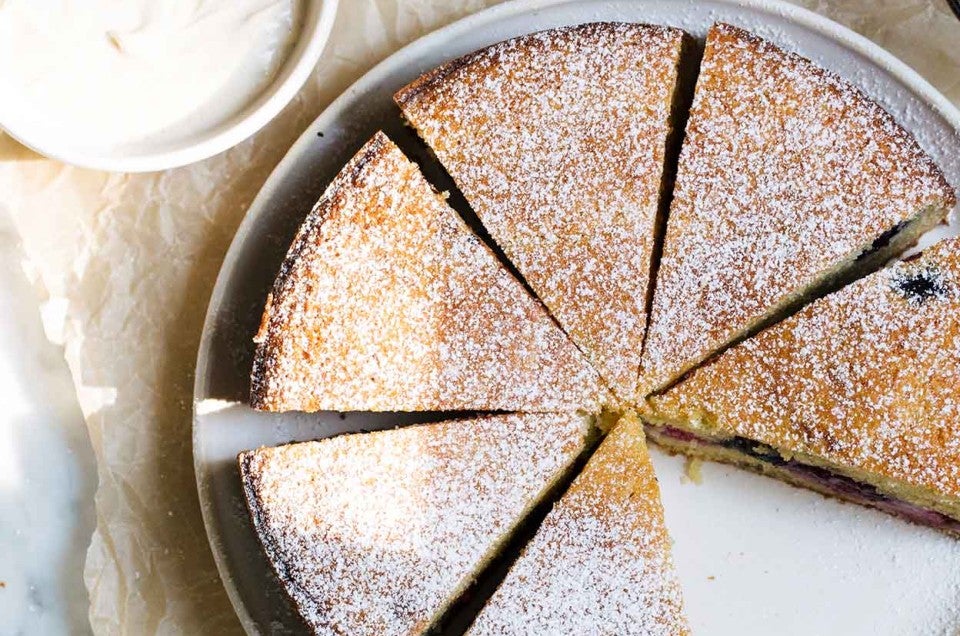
x: 316, y: 23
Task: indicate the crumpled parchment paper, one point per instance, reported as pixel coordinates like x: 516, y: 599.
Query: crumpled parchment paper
x: 127, y: 263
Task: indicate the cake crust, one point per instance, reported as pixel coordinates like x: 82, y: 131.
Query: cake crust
x: 600, y: 562
x: 388, y: 301
x: 379, y: 533
x: 864, y: 382
x: 579, y: 118
x: 788, y: 174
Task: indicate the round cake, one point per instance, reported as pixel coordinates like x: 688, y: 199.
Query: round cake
x: 681, y: 250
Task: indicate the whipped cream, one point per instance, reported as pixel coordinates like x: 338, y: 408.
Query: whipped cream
x: 114, y: 74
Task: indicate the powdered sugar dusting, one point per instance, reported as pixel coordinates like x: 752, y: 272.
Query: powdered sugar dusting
x: 866, y: 378
x: 600, y: 562
x: 557, y: 140
x: 786, y: 171
x: 387, y: 301
x: 376, y: 533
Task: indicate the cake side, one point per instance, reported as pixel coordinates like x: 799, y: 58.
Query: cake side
x: 796, y: 471
x: 864, y: 382
x: 379, y: 533
x: 580, y: 118
x: 388, y: 301
x: 791, y: 182
x: 600, y: 562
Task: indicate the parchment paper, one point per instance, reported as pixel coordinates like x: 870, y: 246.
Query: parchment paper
x: 127, y: 263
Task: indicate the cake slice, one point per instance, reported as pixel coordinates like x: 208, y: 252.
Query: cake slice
x: 790, y: 181
x: 387, y: 301
x: 380, y: 533
x: 557, y: 140
x: 856, y: 396
x: 600, y: 562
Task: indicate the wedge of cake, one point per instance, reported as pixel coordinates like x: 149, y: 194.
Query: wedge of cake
x: 380, y: 533
x: 857, y: 396
x: 387, y: 301
x: 600, y: 562
x: 557, y: 140
x: 790, y: 181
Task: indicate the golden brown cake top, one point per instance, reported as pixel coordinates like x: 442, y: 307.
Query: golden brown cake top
x: 867, y: 378
x: 377, y: 533
x: 557, y: 141
x: 600, y: 562
x: 785, y: 172
x: 388, y: 301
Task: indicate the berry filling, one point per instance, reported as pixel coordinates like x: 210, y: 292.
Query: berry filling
x: 820, y: 479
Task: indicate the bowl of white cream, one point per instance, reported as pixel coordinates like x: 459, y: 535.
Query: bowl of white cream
x: 145, y: 85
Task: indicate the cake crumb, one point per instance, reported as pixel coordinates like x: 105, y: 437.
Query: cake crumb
x: 692, y: 471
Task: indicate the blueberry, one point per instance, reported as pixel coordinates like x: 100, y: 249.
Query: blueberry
x: 920, y: 285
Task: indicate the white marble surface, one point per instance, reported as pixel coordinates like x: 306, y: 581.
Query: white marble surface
x: 47, y: 470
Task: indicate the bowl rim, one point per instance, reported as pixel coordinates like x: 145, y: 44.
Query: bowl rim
x: 318, y: 18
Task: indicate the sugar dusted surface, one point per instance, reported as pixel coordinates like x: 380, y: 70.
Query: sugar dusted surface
x: 600, y: 562
x: 373, y: 533
x: 867, y: 378
x: 557, y: 140
x: 786, y: 171
x: 387, y: 301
